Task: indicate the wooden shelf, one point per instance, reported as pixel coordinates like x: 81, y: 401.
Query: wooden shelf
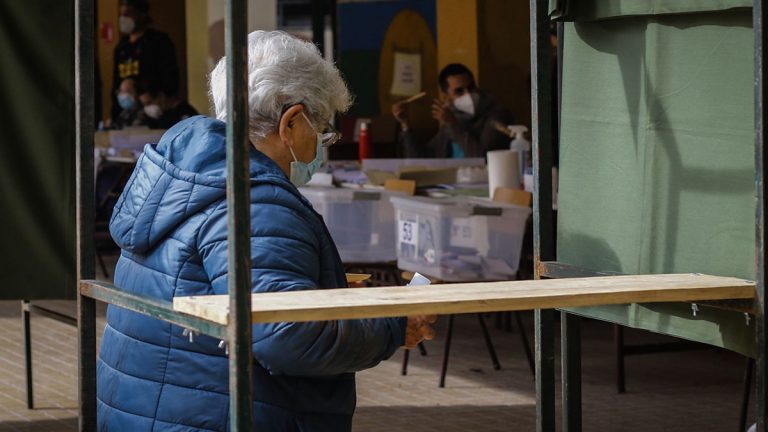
x: 331, y: 304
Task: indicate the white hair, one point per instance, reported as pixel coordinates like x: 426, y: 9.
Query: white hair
x: 282, y: 71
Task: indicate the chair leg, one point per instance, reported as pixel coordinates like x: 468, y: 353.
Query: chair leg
x: 489, y: 342
x: 422, y: 349
x: 406, y: 356
x: 25, y: 315
x: 446, y: 351
x: 404, y: 368
x: 745, y: 396
x: 526, y: 344
x: 618, y: 339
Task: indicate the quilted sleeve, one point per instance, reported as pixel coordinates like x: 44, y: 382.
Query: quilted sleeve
x: 285, y: 257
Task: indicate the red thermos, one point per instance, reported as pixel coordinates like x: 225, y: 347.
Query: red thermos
x: 364, y: 140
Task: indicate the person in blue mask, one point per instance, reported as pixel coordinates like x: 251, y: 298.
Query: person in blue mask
x: 130, y: 113
x: 171, y: 226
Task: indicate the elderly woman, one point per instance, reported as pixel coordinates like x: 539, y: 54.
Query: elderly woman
x: 171, y: 225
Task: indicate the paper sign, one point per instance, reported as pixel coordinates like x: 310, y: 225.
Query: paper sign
x: 409, y: 232
x: 462, y: 233
x: 406, y: 80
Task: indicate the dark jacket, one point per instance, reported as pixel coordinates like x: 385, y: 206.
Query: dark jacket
x: 151, y: 61
x: 171, y: 225
x: 475, y: 135
x: 182, y: 111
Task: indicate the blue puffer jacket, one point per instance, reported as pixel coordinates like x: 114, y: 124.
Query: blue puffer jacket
x: 171, y: 225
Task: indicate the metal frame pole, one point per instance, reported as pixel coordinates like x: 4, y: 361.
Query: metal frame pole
x: 238, y: 219
x: 760, y: 17
x: 543, y: 233
x: 570, y: 348
x: 570, y: 325
x: 318, y: 24
x: 84, y: 128
x: 25, y: 323
x: 332, y: 11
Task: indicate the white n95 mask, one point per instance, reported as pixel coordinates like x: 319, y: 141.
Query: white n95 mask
x: 466, y: 103
x: 126, y: 24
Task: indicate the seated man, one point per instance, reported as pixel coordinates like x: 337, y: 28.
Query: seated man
x: 163, y: 111
x: 466, y: 115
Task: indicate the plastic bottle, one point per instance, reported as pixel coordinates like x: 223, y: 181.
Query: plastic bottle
x: 365, y: 149
x: 522, y: 146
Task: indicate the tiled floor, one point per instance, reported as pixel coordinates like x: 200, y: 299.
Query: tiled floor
x: 687, y: 391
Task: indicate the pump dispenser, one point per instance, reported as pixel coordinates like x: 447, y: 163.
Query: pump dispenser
x: 520, y: 145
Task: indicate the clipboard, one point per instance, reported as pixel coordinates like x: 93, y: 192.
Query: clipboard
x: 357, y: 277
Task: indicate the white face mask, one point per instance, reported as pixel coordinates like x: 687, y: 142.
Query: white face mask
x: 466, y: 103
x: 126, y: 24
x: 153, y: 111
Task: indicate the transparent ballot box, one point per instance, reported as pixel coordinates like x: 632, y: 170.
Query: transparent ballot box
x: 459, y: 239
x: 362, y: 223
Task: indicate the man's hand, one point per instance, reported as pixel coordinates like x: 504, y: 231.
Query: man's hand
x: 442, y: 113
x: 419, y: 329
x: 400, y: 112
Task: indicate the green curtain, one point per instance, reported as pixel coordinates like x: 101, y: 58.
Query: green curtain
x: 657, y: 159
x: 37, y: 154
x: 591, y: 10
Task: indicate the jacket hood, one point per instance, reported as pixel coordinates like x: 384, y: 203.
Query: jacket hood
x: 180, y: 176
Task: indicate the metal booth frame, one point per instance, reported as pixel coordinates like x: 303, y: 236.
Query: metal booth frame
x: 545, y: 257
x: 238, y: 331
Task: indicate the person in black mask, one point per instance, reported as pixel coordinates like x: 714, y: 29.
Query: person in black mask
x: 143, y: 54
x: 468, y: 119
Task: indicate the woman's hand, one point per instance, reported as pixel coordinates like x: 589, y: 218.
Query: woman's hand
x: 419, y: 329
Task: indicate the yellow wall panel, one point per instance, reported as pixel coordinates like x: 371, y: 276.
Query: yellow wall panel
x: 457, y: 34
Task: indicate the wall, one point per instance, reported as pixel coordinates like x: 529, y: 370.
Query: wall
x: 492, y: 38
x: 457, y: 34
x: 107, y: 13
x: 368, y: 35
x: 504, y: 56
x: 205, y: 33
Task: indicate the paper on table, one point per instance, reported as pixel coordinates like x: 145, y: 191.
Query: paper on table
x: 419, y: 279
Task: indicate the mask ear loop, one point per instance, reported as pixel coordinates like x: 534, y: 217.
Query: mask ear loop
x: 309, y: 123
x: 290, y: 147
x: 317, y: 135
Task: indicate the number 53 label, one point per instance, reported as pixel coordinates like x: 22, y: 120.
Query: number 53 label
x: 409, y: 232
